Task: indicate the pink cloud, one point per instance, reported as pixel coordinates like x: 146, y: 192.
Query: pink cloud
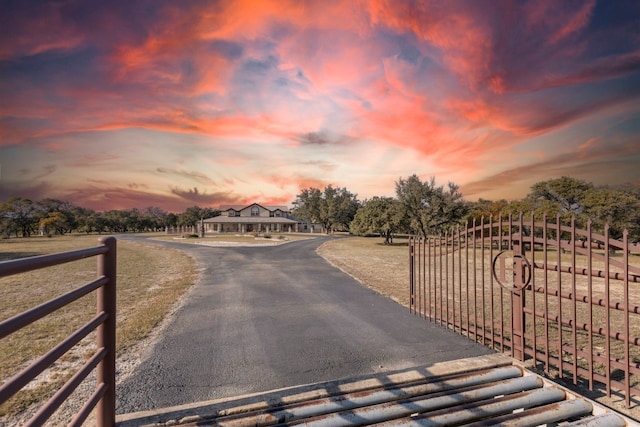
x: 298, y: 181
x: 451, y: 82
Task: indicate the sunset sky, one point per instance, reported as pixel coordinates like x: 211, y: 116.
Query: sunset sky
x: 122, y: 104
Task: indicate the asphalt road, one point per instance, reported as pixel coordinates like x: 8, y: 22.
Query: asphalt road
x: 268, y: 317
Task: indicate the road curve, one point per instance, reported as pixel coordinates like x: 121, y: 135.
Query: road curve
x: 262, y: 318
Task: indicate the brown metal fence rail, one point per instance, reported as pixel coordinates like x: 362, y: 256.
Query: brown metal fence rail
x: 567, y: 298
x: 103, y: 360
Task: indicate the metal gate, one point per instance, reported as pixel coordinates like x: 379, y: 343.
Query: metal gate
x: 567, y: 299
x: 102, y: 361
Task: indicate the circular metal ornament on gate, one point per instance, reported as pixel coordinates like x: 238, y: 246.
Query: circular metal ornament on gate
x: 513, y: 287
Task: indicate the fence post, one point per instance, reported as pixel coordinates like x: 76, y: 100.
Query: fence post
x: 106, y: 302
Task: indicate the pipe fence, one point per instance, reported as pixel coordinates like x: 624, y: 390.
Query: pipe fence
x: 104, y: 323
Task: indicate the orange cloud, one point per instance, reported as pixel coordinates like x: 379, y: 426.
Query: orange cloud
x: 223, y: 88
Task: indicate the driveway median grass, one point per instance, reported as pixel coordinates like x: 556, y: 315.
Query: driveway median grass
x: 150, y: 279
x: 233, y: 238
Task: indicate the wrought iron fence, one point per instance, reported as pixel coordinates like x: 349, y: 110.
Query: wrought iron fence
x: 566, y: 298
x: 104, y: 322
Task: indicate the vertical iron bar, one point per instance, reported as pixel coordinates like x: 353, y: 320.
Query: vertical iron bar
x: 475, y: 284
x: 590, y: 305
x: 419, y: 274
x: 517, y: 297
x: 460, y: 280
x: 453, y: 278
x: 106, y: 336
x: 416, y: 266
x: 627, y: 361
x: 424, y: 276
x: 446, y: 275
x: 511, y: 313
x: 482, y: 305
x: 417, y: 290
x: 559, y: 263
x: 431, y: 297
x: 501, y: 289
x: 412, y: 281
x: 607, y: 297
x: 493, y: 336
x: 533, y: 286
x: 574, y: 303
x: 440, y: 277
x: 546, y: 293
x: 466, y: 241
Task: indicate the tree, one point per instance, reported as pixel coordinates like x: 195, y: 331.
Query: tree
x: 429, y: 207
x: 331, y: 208
x: 114, y: 221
x: 49, y: 207
x: 93, y: 221
x: 54, y: 220
x: 170, y: 220
x: 380, y: 215
x: 154, y: 218
x: 568, y: 192
x: 621, y: 210
x: 485, y: 209
x: 7, y: 225
x: 192, y: 216
x: 20, y: 216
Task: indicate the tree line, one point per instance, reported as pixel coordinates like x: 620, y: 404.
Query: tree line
x: 20, y: 216
x: 424, y: 207
x: 419, y: 207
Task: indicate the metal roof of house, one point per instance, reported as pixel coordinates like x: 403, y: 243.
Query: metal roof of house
x: 240, y: 207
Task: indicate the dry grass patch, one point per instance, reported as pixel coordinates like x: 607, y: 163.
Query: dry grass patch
x: 383, y: 268
x: 150, y: 280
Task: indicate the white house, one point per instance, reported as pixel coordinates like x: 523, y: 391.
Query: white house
x: 253, y: 218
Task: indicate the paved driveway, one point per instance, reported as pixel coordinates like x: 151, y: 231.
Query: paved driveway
x: 268, y: 317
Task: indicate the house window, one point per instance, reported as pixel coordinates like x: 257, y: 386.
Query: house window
x: 255, y: 211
